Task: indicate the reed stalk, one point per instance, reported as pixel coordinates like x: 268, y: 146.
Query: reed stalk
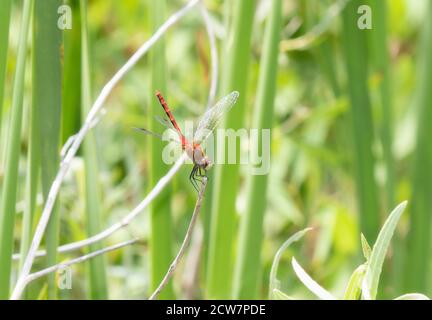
x: 417, y: 260
x: 226, y: 177
x: 247, y: 271
x: 160, y: 211
x: 47, y: 86
x: 97, y: 281
x: 355, y: 47
x: 9, y: 192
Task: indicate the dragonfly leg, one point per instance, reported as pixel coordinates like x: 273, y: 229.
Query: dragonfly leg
x: 201, y: 174
x: 198, y: 175
x: 192, y: 177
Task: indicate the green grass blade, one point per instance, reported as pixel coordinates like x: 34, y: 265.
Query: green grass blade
x: 354, y: 42
x: 379, y: 63
x: 8, y: 200
x: 71, y: 99
x: 32, y: 182
x: 365, y: 247
x: 379, y: 250
x: 97, y: 270
x: 311, y: 284
x: 47, y: 84
x: 5, y: 13
x: 382, y: 101
x: 31, y: 189
x: 246, y: 277
x: 417, y: 272
x: 226, y: 177
x: 412, y: 296
x: 326, y: 57
x: 354, y: 287
x: 273, y: 281
x: 160, y: 211
x: 279, y: 295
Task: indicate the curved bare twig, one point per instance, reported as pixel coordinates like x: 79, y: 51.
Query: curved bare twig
x: 36, y: 275
x: 185, y: 243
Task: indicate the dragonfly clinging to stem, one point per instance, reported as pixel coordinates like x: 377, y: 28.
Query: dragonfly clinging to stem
x: 206, y: 125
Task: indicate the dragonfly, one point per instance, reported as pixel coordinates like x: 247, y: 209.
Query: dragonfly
x: 206, y: 126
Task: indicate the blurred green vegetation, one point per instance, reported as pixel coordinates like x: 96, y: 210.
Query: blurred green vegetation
x: 349, y: 129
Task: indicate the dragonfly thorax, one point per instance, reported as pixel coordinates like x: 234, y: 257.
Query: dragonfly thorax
x: 197, y: 155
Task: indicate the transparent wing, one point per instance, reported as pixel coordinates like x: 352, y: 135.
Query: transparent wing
x: 213, y: 116
x: 171, y: 136
x: 163, y: 121
x: 169, y: 128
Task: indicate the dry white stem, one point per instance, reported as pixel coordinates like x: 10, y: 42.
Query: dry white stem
x: 132, y: 215
x: 191, y: 270
x: 213, y: 54
x: 33, y: 276
x: 126, y: 220
x: 67, y: 146
x: 185, y: 243
x: 55, y: 187
x: 71, y: 139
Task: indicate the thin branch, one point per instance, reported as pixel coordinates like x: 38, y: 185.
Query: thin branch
x: 71, y: 139
x: 185, y: 243
x: 133, y: 214
x: 192, y: 265
x: 213, y: 54
x: 126, y: 220
x: 33, y: 276
x: 55, y: 187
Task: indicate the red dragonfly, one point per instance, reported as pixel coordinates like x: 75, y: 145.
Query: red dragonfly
x: 205, y: 127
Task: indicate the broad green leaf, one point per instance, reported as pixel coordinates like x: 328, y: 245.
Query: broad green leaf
x: 374, y: 267
x: 279, y: 295
x: 274, y: 283
x: 412, y: 296
x: 311, y: 284
x: 354, y: 287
